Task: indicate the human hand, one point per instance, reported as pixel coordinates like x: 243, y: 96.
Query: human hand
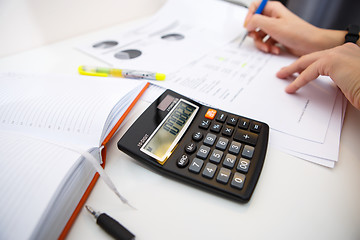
x: 287, y: 29
x: 341, y: 64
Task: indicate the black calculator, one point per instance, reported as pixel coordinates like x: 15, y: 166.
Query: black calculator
x: 209, y: 148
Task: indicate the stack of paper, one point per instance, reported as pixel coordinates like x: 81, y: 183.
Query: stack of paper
x: 243, y: 81
x: 193, y: 43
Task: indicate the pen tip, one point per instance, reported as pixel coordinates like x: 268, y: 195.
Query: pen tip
x: 243, y: 39
x: 90, y: 210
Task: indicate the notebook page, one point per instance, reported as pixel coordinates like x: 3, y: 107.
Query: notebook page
x: 30, y: 172
x: 64, y: 109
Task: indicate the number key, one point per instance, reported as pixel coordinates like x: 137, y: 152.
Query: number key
x: 229, y: 161
x: 243, y: 165
x: 210, y: 139
x: 216, y: 156
x: 238, y: 180
x: 224, y: 175
x: 209, y: 170
x: 234, y: 147
x: 203, y: 152
x: 222, y: 143
x: 196, y: 165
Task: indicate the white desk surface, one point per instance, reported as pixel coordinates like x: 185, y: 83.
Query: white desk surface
x: 294, y: 199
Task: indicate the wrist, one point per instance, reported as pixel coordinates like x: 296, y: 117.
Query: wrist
x: 331, y: 38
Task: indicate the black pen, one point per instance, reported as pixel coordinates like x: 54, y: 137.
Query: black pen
x: 110, y: 225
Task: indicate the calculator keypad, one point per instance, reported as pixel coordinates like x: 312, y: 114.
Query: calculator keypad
x: 225, y: 147
x: 216, y: 150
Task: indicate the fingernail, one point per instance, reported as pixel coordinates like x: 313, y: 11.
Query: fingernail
x: 279, y: 74
x: 264, y: 48
x: 289, y: 89
x: 275, y: 50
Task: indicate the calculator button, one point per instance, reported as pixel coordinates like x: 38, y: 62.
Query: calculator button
x: 197, y: 136
x: 244, y: 123
x: 243, y: 165
x: 209, y: 170
x: 210, y: 114
x: 234, y: 147
x: 246, y: 137
x: 216, y: 156
x: 228, y: 131
x: 216, y: 127
x: 205, y: 124
x: 248, y: 151
x: 232, y: 121
x: 238, y: 180
x: 190, y: 148
x: 229, y: 161
x: 210, y: 139
x: 255, y: 127
x: 224, y: 175
x: 196, y: 165
x: 222, y: 143
x: 203, y: 152
x: 183, y: 161
x: 221, y: 117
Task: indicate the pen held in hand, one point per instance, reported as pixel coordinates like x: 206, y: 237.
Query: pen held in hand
x: 258, y: 11
x: 123, y: 73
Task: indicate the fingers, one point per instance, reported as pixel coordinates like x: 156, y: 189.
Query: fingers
x: 266, y: 24
x: 309, y: 74
x: 299, y: 65
x: 267, y: 46
x: 309, y: 66
x: 252, y: 8
x: 273, y: 48
x: 264, y: 42
x: 272, y: 9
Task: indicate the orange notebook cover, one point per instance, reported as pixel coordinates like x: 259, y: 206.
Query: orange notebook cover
x: 96, y: 176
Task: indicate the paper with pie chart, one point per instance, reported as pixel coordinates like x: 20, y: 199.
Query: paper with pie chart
x: 168, y: 41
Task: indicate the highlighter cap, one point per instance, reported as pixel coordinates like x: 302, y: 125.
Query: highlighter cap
x: 160, y: 76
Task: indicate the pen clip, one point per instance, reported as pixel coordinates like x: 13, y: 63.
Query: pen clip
x: 89, y: 73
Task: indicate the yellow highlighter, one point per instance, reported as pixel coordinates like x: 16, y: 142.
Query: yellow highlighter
x: 124, y: 73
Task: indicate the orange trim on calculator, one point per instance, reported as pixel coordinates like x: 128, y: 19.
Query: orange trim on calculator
x: 210, y: 114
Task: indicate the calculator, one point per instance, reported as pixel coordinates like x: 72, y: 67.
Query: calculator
x: 215, y: 150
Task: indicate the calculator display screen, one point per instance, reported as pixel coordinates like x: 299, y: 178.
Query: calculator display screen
x: 168, y: 133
